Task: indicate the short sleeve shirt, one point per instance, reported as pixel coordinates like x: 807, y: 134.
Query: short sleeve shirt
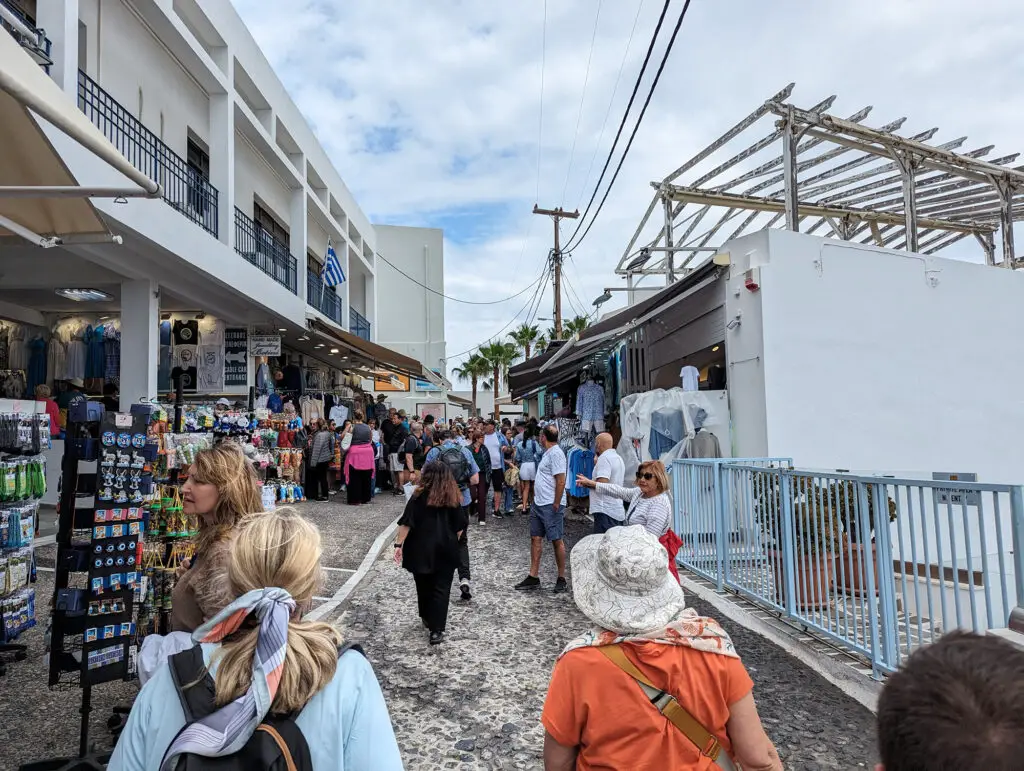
x: 609, y: 466
x: 634, y: 734
x: 550, y: 465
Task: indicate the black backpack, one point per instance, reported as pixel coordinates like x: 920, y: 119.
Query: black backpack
x: 456, y: 462
x: 277, y: 744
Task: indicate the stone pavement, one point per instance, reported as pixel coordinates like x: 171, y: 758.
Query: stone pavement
x: 475, y: 702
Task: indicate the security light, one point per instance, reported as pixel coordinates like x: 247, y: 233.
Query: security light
x: 83, y: 295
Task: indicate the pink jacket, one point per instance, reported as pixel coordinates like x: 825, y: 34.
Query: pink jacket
x: 359, y: 457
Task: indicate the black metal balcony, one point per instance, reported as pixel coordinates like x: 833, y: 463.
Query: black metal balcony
x: 28, y: 35
x: 185, y: 188
x: 323, y: 297
x: 358, y: 325
x: 264, y: 251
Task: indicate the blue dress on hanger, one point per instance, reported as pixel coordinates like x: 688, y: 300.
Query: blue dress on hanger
x: 36, y: 373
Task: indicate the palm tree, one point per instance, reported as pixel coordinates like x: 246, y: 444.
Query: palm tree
x: 500, y: 357
x: 542, y: 344
x: 474, y: 369
x: 525, y: 336
x: 576, y: 325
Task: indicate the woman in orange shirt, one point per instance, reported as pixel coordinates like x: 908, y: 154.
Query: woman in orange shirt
x: 653, y: 685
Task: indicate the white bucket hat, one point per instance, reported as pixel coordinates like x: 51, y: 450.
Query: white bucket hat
x: 621, y: 581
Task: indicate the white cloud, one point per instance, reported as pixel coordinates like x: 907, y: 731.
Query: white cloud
x: 452, y: 89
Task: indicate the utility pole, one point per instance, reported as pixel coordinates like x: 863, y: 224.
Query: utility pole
x: 556, y: 215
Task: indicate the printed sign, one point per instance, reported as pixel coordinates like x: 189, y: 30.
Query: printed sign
x: 426, y: 385
x: 957, y: 496
x: 236, y: 366
x: 391, y: 383
x: 265, y: 345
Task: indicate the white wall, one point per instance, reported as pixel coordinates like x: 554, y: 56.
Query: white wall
x: 253, y: 176
x: 884, y: 360
x: 411, y: 320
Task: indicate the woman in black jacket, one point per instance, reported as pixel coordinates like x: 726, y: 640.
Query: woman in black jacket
x: 428, y: 543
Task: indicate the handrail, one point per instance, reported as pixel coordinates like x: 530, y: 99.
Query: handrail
x: 261, y: 249
x: 358, y: 324
x: 322, y: 297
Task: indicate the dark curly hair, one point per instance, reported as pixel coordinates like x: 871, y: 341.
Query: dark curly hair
x: 438, y: 482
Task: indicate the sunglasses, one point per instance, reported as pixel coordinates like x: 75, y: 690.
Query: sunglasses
x: 645, y: 475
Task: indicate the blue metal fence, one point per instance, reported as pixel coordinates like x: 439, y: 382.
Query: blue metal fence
x: 264, y: 251
x: 358, y: 325
x: 322, y: 297
x: 876, y: 564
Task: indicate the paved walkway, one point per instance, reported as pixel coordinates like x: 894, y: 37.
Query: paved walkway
x: 475, y: 702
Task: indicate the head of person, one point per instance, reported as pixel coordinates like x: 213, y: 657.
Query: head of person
x: 958, y: 703
x: 402, y: 415
x: 603, y: 443
x: 42, y: 392
x: 359, y: 416
x: 347, y: 424
x: 477, y: 438
x: 395, y: 420
x: 622, y: 583
x: 651, y: 478
x: 428, y: 421
x: 438, y: 483
x: 444, y: 436
x: 549, y: 436
x: 416, y: 428
x: 109, y: 389
x: 279, y: 548
x: 222, y: 487
x: 372, y: 423
x: 392, y: 411
x: 333, y: 425
x: 489, y: 427
x: 75, y: 384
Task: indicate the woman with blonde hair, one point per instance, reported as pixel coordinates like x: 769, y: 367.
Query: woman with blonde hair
x: 222, y: 487
x: 258, y: 672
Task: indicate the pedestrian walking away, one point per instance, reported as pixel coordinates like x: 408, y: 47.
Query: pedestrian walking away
x: 466, y: 473
x: 495, y: 444
x: 547, y: 515
x: 607, y: 509
x: 360, y: 465
x: 428, y: 543
x: 528, y: 452
x: 320, y: 455
x: 682, y: 698
x: 483, y: 461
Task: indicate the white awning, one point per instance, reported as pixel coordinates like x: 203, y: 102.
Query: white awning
x: 39, y: 198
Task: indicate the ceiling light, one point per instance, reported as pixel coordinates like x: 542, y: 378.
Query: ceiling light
x: 282, y: 329
x: 319, y: 345
x: 715, y: 348
x: 304, y: 337
x: 84, y: 295
x: 334, y: 350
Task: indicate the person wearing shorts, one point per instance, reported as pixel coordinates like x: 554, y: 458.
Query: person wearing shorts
x: 547, y: 515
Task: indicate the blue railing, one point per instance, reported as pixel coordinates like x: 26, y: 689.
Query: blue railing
x: 185, y: 189
x: 322, y: 297
x: 264, y: 251
x: 29, y: 37
x: 358, y: 325
x: 877, y: 565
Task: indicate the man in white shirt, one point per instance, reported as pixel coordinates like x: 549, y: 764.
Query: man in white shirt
x: 547, y: 514
x: 495, y: 442
x: 607, y: 510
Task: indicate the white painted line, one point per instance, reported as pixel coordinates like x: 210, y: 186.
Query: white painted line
x: 341, y: 570
x: 45, y: 569
x: 321, y: 599
x: 349, y: 586
x: 45, y: 540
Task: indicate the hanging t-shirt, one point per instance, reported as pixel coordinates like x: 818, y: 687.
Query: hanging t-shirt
x: 185, y: 332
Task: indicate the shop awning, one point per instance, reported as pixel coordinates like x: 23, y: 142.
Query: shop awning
x: 376, y: 356
x: 40, y: 200
x: 459, y: 401
x: 561, y: 365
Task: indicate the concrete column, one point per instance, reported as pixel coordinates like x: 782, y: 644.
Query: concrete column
x: 370, y: 284
x: 222, y: 160
x: 59, y: 19
x: 140, y: 340
x: 297, y: 235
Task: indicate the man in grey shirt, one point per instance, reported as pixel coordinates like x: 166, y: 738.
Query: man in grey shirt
x: 607, y: 510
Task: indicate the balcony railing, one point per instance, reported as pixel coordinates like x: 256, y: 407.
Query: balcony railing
x: 264, y: 251
x: 185, y: 189
x: 30, y: 37
x: 358, y: 325
x: 322, y: 297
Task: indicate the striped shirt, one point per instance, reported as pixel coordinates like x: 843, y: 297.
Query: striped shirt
x: 655, y: 513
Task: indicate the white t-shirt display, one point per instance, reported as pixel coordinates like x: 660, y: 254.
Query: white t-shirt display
x: 609, y: 466
x: 494, y: 448
x: 551, y: 464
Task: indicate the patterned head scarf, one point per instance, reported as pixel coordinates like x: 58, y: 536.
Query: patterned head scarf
x: 226, y: 731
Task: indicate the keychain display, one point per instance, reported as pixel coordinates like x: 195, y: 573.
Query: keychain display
x: 22, y: 478
x: 17, y: 614
x: 24, y: 432
x: 18, y: 525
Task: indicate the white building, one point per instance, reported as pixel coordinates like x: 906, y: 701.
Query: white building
x: 250, y: 198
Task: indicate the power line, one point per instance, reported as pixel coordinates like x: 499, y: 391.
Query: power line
x: 611, y: 102
x: 639, y: 120
x: 583, y: 97
x: 540, y: 128
x: 625, y: 115
x: 455, y: 299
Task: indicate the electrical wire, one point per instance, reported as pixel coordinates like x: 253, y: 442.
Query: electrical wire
x: 456, y: 299
x: 583, y: 97
x: 625, y: 115
x: 639, y: 120
x: 543, y: 63
x: 611, y: 102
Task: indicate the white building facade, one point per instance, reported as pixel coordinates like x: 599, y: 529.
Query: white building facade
x: 250, y: 198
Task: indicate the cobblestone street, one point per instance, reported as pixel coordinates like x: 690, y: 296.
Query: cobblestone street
x: 475, y: 702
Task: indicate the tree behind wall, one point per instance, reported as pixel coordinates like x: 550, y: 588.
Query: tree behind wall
x: 474, y: 369
x: 500, y: 357
x: 525, y: 336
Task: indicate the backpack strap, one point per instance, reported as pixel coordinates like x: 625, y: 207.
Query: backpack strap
x: 282, y: 745
x: 193, y: 683
x: 673, y: 711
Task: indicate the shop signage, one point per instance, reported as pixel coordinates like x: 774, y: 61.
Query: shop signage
x: 957, y: 496
x: 236, y: 366
x: 426, y: 385
x: 265, y: 345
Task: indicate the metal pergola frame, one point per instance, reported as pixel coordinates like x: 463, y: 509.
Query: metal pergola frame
x: 865, y: 185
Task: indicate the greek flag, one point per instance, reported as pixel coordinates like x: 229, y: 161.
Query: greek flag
x: 332, y: 274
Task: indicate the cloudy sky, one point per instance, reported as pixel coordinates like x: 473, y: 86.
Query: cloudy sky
x: 433, y: 111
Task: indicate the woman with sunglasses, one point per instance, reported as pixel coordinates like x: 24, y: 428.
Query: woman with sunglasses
x: 648, y: 502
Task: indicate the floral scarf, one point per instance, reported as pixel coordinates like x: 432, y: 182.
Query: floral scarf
x: 687, y: 629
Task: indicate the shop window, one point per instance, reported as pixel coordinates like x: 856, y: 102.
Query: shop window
x: 198, y: 160
x: 272, y: 242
